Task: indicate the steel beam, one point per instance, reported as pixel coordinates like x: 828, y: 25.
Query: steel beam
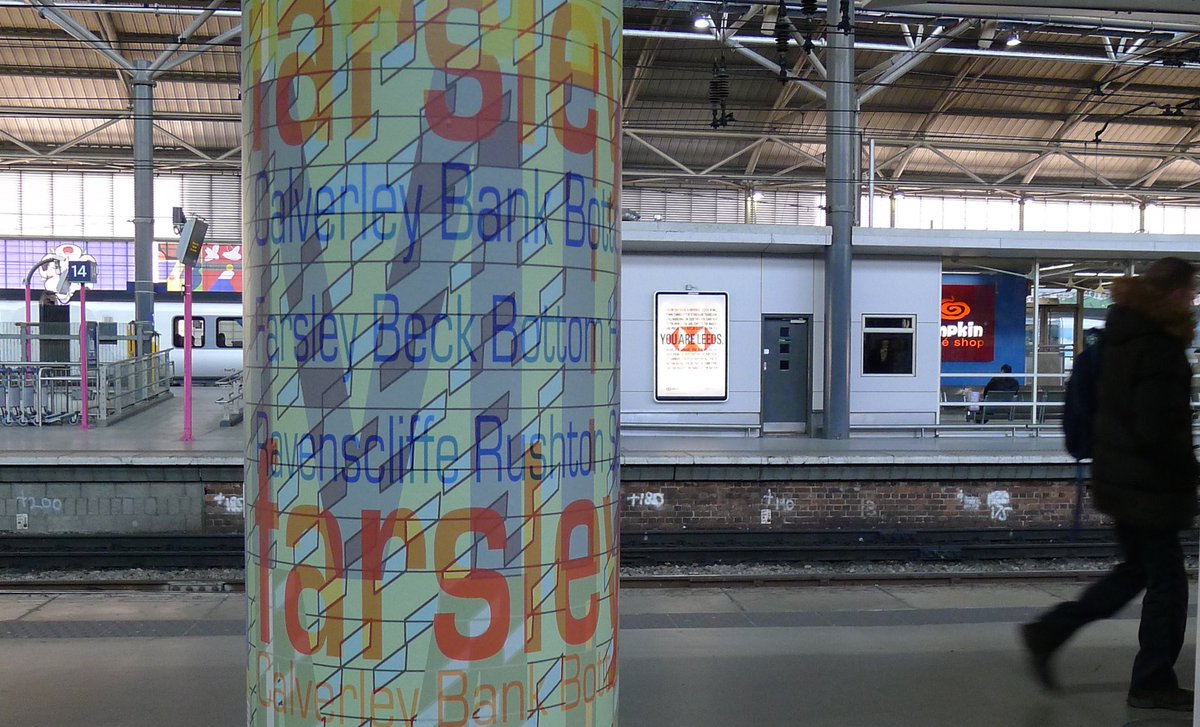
x: 906, y: 62
x: 207, y: 45
x: 48, y: 10
x: 186, y: 35
x: 83, y: 137
x: 737, y: 47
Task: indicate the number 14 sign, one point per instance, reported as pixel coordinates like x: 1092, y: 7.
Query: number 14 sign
x: 82, y: 272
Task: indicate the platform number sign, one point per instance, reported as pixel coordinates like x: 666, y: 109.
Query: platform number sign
x: 81, y: 272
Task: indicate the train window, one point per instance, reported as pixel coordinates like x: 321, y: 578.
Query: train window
x: 198, y: 332
x: 229, y: 333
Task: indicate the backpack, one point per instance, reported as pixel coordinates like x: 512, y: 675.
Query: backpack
x: 1079, y: 403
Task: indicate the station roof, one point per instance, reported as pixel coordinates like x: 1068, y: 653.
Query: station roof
x: 1095, y: 101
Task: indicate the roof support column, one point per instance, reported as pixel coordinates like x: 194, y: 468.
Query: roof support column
x: 143, y: 204
x: 475, y: 546
x: 841, y: 134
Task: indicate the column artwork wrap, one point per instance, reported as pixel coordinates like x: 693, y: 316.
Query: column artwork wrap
x: 431, y: 289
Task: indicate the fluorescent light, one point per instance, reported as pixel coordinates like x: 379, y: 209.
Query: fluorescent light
x: 1050, y: 268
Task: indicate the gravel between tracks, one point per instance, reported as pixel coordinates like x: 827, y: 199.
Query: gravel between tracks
x: 230, y: 575
x: 886, y: 567
x: 179, y: 575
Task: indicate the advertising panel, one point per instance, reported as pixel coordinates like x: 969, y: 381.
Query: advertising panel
x: 431, y: 212
x: 968, y: 322
x: 690, y: 346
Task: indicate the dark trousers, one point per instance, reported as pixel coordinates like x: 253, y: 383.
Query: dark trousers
x: 1153, y: 560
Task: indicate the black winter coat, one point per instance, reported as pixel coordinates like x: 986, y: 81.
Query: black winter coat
x: 1145, y: 471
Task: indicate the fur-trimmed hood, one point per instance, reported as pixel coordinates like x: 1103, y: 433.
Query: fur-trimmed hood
x: 1136, y: 296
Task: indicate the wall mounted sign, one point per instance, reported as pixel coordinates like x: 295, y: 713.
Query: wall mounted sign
x: 690, y: 346
x: 968, y: 322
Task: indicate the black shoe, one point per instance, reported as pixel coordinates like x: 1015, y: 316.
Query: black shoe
x: 1176, y: 699
x: 1039, y: 658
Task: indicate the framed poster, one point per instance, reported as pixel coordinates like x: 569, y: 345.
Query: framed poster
x: 691, y: 356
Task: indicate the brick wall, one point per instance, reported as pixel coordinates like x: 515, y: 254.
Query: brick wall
x: 113, y: 498
x: 224, y: 507
x: 653, y: 498
x: 852, y: 497
x: 650, y: 506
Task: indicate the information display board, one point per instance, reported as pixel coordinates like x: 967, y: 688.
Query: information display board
x: 690, y: 346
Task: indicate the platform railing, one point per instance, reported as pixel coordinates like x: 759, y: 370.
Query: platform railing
x: 126, y: 385
x: 231, y: 400
x: 51, y: 393
x: 1039, y: 401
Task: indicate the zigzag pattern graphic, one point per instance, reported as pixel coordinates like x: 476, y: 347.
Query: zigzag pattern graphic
x: 432, y: 353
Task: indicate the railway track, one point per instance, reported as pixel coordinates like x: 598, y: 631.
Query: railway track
x: 716, y: 580
x: 710, y: 547
x: 74, y: 552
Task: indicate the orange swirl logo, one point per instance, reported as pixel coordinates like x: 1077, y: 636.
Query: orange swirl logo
x: 954, y: 310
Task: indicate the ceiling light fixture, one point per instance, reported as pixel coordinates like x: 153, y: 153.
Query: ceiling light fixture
x: 1052, y: 268
x: 702, y: 22
x: 757, y: 196
x: 1014, y: 39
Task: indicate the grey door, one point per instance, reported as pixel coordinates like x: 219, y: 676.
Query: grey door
x: 785, y: 373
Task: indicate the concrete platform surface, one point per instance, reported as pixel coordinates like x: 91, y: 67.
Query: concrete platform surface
x: 891, y: 656
x: 154, y: 437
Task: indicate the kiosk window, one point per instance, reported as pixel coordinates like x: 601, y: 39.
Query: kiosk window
x: 198, y: 332
x: 229, y: 333
x: 888, y: 345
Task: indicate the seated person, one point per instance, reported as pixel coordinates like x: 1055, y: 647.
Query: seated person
x: 1003, y: 382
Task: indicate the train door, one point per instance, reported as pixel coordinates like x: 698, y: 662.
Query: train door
x: 786, y: 348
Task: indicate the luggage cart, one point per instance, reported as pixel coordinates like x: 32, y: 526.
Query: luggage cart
x: 20, y: 400
x: 10, y: 396
x: 59, y: 393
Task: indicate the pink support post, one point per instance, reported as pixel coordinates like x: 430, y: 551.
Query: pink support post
x: 187, y: 354
x: 83, y: 358
x: 28, y: 322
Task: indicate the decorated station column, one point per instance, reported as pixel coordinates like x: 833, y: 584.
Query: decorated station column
x: 431, y: 266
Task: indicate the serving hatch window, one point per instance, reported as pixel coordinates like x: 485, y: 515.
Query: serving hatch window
x: 888, y: 345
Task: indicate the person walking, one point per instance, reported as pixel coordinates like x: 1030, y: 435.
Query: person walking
x: 1144, y: 476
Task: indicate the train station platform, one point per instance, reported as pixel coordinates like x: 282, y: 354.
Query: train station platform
x: 895, y: 654
x: 154, y: 436
x: 137, y: 475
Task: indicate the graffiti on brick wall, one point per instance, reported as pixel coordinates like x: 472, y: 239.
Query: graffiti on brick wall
x: 40, y: 505
x: 970, y: 503
x: 998, y: 503
x: 779, y: 504
x: 771, y: 504
x: 232, y: 504
x: 646, y: 499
